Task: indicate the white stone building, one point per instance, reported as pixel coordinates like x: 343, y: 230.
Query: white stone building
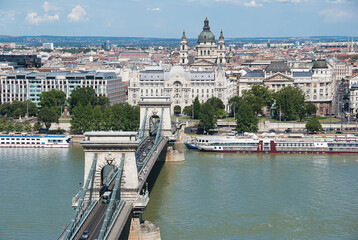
x: 318, y: 84
x: 353, y: 99
x: 183, y: 86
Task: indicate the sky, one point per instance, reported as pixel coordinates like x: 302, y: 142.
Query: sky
x: 168, y: 18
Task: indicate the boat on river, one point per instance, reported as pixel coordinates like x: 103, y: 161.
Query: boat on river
x: 190, y: 144
x: 254, y: 144
x: 35, y: 141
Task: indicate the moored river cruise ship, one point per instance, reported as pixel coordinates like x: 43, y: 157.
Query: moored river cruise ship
x: 35, y: 141
x: 347, y: 144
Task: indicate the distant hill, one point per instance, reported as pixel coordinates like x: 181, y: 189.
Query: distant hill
x: 85, y: 41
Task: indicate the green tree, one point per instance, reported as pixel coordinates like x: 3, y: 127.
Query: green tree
x: 9, y: 127
x: 188, y: 110
x: 5, y: 109
x: 216, y: 103
x: 82, y: 118
x: 18, y: 127
x: 37, y: 126
x: 2, y: 124
x: 207, y: 117
x: 246, y: 119
x: 232, y: 103
x: 102, y: 101
x: 97, y: 118
x: 311, y: 109
x: 27, y: 126
x: 53, y: 99
x: 290, y: 101
x: 263, y: 92
x: 48, y: 116
x: 31, y: 107
x: 83, y: 96
x: 17, y: 113
x: 255, y: 102
x: 197, y: 108
x: 107, y: 119
x: 313, y: 125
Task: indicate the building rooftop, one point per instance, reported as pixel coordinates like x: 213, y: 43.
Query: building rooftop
x: 254, y: 74
x: 278, y: 67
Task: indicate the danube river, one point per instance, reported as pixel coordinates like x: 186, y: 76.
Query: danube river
x: 209, y: 196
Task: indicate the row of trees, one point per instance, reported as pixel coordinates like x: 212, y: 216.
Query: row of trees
x: 286, y: 104
x: 105, y: 118
x: 88, y: 111
x: 18, y: 109
x: 8, y: 126
x: 207, y: 113
x: 52, y: 103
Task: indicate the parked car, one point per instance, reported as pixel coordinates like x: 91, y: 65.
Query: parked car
x: 272, y: 130
x: 288, y: 130
x: 339, y: 132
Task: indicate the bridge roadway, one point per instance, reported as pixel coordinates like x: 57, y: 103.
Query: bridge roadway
x: 95, y: 221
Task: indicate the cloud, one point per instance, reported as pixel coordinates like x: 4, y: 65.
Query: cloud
x: 34, y: 18
x: 6, y: 16
x: 291, y: 1
x: 232, y: 1
x: 253, y: 3
x: 153, y: 9
x: 337, y: 1
x: 336, y: 15
x: 48, y: 6
x: 77, y: 14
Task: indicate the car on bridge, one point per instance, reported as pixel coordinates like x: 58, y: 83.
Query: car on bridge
x: 106, y: 197
x: 85, y: 235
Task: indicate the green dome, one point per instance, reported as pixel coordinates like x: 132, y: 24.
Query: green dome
x: 206, y: 35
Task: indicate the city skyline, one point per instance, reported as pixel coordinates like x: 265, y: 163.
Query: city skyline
x: 166, y: 19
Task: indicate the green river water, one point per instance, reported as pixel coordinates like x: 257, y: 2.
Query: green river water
x: 209, y: 196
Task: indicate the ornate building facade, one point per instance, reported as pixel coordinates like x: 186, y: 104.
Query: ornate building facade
x: 318, y: 83
x: 181, y: 85
x: 208, y: 53
x: 204, y: 78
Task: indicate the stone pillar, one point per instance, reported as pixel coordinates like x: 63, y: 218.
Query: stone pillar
x: 143, y: 231
x: 110, y: 147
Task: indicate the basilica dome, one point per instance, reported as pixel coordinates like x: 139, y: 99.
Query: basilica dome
x: 206, y: 36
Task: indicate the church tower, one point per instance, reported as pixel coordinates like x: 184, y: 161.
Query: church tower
x: 184, y: 50
x: 221, y: 49
x: 206, y: 48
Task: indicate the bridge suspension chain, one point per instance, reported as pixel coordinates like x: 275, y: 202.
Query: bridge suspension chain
x: 80, y: 207
x: 113, y: 204
x: 159, y: 132
x: 142, y: 129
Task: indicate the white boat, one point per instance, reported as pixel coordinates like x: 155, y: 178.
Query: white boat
x: 347, y: 144
x: 35, y: 141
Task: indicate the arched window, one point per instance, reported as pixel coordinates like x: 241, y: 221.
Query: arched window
x: 204, y: 52
x: 208, y: 52
x: 183, y: 47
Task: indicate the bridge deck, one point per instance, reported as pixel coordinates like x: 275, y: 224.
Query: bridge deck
x: 120, y: 222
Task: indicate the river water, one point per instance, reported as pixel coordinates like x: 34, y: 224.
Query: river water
x: 209, y: 196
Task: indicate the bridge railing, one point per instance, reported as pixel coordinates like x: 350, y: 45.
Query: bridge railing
x: 148, y: 157
x: 142, y: 129
x: 114, y: 203
x: 83, y: 208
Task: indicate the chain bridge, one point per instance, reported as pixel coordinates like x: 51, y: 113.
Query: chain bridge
x: 117, y: 166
